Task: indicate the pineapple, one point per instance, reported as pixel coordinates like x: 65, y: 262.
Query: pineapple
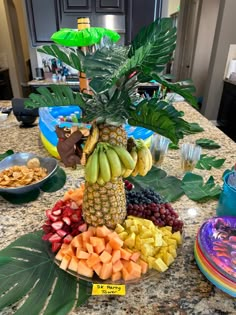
x: 115, y: 72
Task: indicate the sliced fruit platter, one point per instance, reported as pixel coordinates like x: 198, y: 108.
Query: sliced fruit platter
x: 146, y: 241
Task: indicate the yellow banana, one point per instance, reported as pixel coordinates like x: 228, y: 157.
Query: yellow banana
x: 149, y: 154
x: 100, y: 181
x: 125, y: 157
x: 135, y: 171
x: 143, y: 161
x: 104, y: 166
x: 92, y: 167
x: 134, y: 155
x: 114, y: 161
x: 91, y: 140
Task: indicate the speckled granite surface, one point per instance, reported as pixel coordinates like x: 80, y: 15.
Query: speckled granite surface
x: 182, y: 289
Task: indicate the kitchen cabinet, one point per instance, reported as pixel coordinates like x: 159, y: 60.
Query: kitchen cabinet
x: 110, y: 6
x: 43, y: 20
x: 75, y: 6
x: 5, y: 85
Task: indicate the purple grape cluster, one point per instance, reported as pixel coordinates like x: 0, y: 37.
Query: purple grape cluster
x: 150, y: 205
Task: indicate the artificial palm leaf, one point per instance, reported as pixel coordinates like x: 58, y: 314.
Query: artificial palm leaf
x: 159, y: 116
x: 28, y: 273
x: 70, y: 56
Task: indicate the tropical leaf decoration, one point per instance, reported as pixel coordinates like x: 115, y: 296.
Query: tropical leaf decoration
x: 29, y: 275
x: 207, y: 143
x: 6, y: 154
x: 207, y: 162
x: 115, y: 73
x: 195, y: 188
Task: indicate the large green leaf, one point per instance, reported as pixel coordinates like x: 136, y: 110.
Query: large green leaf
x: 55, y: 96
x: 161, y: 117
x: 207, y: 162
x: 28, y: 272
x: 195, y: 188
x: 70, y: 56
x: 168, y: 186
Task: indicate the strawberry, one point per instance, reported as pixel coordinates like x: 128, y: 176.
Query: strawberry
x: 83, y: 227
x: 48, y: 212
x: 55, y: 247
x: 53, y: 218
x: 55, y: 238
x: 57, y: 225
x: 62, y: 233
x: 46, y: 237
x: 67, y: 239
x: 67, y: 220
x: 56, y: 212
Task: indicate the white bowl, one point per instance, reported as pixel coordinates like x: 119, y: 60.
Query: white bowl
x: 3, y: 116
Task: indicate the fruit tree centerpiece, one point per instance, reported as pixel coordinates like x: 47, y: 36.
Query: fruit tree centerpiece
x: 115, y: 73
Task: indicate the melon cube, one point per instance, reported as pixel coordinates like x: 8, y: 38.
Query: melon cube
x: 102, y: 231
x: 84, y: 270
x: 117, y: 266
x: 115, y: 255
x: 82, y: 254
x: 97, y: 268
x: 105, y: 257
x: 73, y: 265
x: 106, y: 271
x: 65, y: 262
x: 93, y: 260
x: 116, y: 276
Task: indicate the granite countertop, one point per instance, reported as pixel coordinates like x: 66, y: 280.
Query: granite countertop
x: 182, y: 289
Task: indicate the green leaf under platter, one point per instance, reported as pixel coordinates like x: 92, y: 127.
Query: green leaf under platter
x: 168, y: 186
x: 28, y: 272
x: 195, y: 188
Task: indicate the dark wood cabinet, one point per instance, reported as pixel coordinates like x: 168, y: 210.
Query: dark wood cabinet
x: 110, y: 6
x: 43, y: 20
x: 75, y: 6
x: 5, y: 85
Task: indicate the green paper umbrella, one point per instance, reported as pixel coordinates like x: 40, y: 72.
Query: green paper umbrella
x: 81, y: 38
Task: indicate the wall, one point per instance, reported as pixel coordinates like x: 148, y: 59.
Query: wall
x: 7, y: 52
x: 173, y: 6
x: 208, y: 13
x: 224, y: 36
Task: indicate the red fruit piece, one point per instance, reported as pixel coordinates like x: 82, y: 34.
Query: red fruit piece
x: 67, y: 220
x: 46, y: 237
x: 83, y: 227
x: 55, y: 247
x: 56, y: 212
x: 67, y: 239
x: 55, y: 238
x: 46, y: 228
x: 58, y: 205
x: 74, y: 205
x: 67, y: 212
x: 57, y: 225
x: 75, y: 217
x: 48, y: 212
x: 53, y: 218
x: 61, y: 233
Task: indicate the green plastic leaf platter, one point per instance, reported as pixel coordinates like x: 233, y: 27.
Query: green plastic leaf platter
x: 28, y: 273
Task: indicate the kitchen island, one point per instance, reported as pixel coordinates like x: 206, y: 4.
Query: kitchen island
x: 182, y: 289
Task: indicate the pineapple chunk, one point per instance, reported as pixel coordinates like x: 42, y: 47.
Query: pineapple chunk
x: 123, y: 235
x: 146, y: 233
x: 172, y: 251
x: 168, y: 258
x: 147, y: 250
x: 119, y: 228
x: 150, y: 261
x: 178, y: 237
x: 159, y: 265
x: 158, y: 241
x: 130, y: 240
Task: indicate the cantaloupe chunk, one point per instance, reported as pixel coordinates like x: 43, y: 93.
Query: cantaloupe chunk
x: 116, y: 242
x: 102, y: 231
x: 93, y: 260
x: 92, y: 229
x: 108, y: 248
x: 86, y: 236
x: 59, y: 255
x: 116, y: 276
x: 84, y: 270
x: 134, y: 269
x: 105, y: 257
x: 82, y: 254
x: 135, y: 256
x: 115, y: 255
x: 65, y: 262
x: 73, y: 265
x: 67, y: 249
x: 117, y: 266
x: 106, y: 271
x: 126, y: 275
x: 89, y: 248
x: 98, y: 244
x: 144, y: 266
x: 97, y: 268
x: 125, y: 254
x: 77, y: 241
x: 112, y: 235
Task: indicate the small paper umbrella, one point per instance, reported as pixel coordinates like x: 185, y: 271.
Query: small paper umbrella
x: 86, y: 37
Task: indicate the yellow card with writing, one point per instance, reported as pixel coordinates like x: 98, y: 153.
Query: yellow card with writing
x: 108, y: 289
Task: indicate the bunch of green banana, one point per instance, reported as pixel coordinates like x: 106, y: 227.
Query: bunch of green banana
x: 144, y: 159
x: 108, y: 162
x: 90, y: 143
